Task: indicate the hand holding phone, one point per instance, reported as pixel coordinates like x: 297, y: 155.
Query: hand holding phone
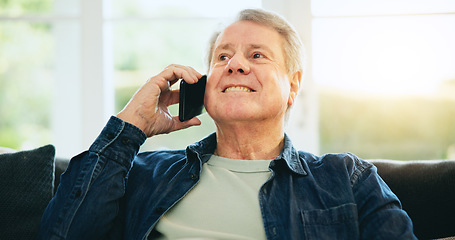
x: 191, y: 99
x: 148, y: 108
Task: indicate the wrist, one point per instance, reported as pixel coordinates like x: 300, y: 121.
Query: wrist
x: 138, y: 122
x: 119, y: 140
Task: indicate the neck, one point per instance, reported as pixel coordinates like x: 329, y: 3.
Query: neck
x: 249, y: 141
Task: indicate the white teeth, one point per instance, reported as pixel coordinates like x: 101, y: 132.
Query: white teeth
x: 237, y: 89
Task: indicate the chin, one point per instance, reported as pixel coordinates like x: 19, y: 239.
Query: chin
x: 232, y: 116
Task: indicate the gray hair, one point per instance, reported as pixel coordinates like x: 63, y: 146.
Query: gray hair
x: 293, y: 47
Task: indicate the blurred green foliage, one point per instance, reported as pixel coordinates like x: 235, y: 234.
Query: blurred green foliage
x: 25, y: 83
x: 394, y: 127
x: 151, y: 46
x: 19, y: 7
x: 123, y: 95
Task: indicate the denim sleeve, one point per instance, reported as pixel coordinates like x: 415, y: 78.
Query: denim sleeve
x: 379, y: 210
x: 88, y: 199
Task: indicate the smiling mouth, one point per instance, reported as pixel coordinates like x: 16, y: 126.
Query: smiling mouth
x: 238, y: 89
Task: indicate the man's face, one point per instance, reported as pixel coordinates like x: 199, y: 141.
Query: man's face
x: 248, y: 80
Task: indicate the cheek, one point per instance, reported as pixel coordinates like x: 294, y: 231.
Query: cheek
x: 208, y: 98
x: 282, y: 88
x: 210, y: 90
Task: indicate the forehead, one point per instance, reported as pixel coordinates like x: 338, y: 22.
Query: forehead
x: 250, y: 33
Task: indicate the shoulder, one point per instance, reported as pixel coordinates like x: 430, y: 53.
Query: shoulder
x: 152, y: 168
x: 158, y: 159
x: 338, y: 163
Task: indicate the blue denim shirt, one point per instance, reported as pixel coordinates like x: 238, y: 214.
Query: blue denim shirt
x: 111, y: 192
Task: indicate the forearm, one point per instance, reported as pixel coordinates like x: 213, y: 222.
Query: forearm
x: 87, y: 201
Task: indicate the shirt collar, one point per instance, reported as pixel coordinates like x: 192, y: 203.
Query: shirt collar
x: 294, y: 161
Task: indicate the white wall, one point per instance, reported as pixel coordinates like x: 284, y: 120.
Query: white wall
x: 303, y: 127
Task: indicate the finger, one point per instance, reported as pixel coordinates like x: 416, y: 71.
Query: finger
x: 173, y: 98
x: 198, y: 75
x: 183, y: 125
x: 175, y: 72
x: 195, y: 121
x: 173, y: 82
x: 189, y: 69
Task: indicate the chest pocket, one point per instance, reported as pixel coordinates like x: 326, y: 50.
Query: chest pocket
x: 334, y: 223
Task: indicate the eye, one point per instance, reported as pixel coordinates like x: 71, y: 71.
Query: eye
x: 223, y: 58
x: 258, y: 55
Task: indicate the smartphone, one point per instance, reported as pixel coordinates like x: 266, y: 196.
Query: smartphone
x: 191, y: 99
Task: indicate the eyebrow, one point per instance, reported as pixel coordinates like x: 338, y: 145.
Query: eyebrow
x: 260, y: 46
x: 229, y: 46
x: 226, y: 46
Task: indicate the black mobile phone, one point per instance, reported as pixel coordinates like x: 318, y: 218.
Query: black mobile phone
x: 191, y: 99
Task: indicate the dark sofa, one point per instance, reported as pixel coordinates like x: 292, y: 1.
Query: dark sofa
x: 427, y: 192
x: 425, y: 188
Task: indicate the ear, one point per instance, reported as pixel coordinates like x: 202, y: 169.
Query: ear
x: 295, y: 80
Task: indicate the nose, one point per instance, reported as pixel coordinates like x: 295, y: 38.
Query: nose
x: 238, y: 63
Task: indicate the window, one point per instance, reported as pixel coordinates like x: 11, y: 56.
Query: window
x: 384, y: 70
x: 27, y: 66
x: 386, y: 77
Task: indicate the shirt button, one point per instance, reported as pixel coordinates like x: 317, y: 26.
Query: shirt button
x: 193, y: 177
x: 274, y: 231
x: 78, y: 193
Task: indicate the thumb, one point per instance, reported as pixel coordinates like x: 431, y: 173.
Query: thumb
x: 178, y: 125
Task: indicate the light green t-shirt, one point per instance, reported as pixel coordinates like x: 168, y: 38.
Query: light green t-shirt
x: 223, y: 205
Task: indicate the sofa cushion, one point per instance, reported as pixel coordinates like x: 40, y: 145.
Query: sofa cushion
x: 26, y: 187
x: 426, y: 191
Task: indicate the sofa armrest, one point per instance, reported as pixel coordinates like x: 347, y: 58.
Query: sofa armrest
x: 426, y: 190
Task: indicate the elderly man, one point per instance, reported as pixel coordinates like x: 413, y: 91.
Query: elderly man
x: 245, y: 181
